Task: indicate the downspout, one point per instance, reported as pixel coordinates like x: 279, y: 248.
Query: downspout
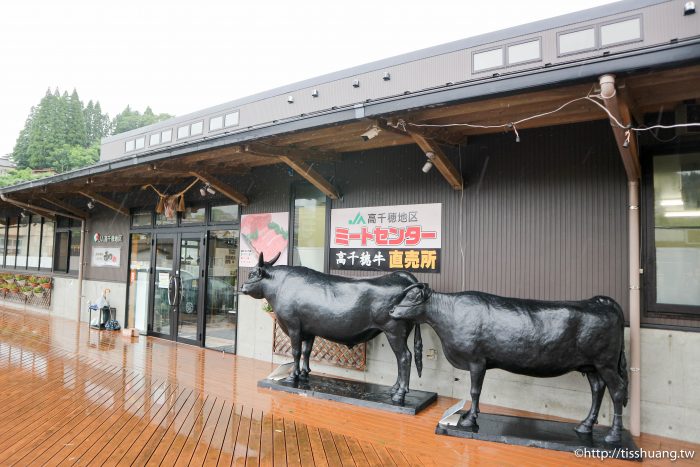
x: 81, y: 267
x: 635, y: 301
x: 607, y: 88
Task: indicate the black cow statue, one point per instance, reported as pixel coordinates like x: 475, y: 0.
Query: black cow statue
x: 345, y: 310
x: 480, y: 331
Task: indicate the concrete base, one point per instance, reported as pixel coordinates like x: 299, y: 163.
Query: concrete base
x: 359, y: 393
x: 546, y: 434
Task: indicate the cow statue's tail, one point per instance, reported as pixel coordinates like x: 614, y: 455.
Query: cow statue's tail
x: 622, y: 360
x: 418, y: 349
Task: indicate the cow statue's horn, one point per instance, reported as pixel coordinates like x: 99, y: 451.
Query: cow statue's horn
x: 261, y: 260
x: 273, y: 260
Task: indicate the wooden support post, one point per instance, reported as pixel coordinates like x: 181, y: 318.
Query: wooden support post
x: 114, y: 206
x: 292, y: 159
x: 439, y: 159
x: 221, y: 187
x: 39, y: 211
x: 67, y: 207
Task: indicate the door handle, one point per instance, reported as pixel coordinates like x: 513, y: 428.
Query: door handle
x: 171, y: 288
x: 176, y: 299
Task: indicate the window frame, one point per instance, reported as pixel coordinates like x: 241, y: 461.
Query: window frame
x: 71, y: 226
x: 651, y: 305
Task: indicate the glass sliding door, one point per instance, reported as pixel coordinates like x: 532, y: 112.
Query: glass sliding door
x: 222, y: 282
x: 162, y: 285
x: 187, y: 302
x: 139, y: 280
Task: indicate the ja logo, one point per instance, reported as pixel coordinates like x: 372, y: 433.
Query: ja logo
x: 357, y: 220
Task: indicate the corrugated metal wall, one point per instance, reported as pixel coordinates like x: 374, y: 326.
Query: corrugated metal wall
x: 544, y: 218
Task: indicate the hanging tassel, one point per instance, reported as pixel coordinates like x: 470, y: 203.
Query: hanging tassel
x: 160, y: 207
x: 181, y: 205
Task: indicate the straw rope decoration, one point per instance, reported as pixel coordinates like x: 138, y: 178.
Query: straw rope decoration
x: 169, y: 204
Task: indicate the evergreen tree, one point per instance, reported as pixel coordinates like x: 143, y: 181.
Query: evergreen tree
x: 130, y: 119
x: 20, y: 154
x: 76, y: 132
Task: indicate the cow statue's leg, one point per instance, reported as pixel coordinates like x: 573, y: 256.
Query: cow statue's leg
x: 477, y: 373
x: 618, y: 393
x: 295, y: 337
x: 597, y: 392
x: 397, y: 339
x: 306, y: 346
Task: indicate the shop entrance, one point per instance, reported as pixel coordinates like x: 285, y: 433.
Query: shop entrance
x: 178, y: 299
x: 183, y: 276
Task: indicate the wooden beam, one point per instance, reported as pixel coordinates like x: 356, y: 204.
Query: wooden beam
x: 619, y: 108
x: 291, y: 158
x: 67, y: 207
x: 39, y: 211
x: 114, y: 206
x: 221, y: 187
x: 440, y: 160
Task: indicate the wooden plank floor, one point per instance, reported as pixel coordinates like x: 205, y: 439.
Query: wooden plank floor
x: 75, y: 396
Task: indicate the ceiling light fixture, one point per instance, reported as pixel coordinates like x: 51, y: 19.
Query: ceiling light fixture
x: 91, y: 204
x: 371, y: 133
x: 429, y: 163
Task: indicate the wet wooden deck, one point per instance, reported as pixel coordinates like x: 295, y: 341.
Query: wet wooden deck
x: 71, y: 395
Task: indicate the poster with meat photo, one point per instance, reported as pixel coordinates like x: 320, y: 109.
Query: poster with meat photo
x: 266, y: 233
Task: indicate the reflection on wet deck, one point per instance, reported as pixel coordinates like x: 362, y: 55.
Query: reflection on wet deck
x: 71, y: 395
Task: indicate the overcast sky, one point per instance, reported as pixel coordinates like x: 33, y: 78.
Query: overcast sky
x: 179, y: 57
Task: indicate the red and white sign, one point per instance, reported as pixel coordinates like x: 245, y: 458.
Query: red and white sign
x: 385, y: 238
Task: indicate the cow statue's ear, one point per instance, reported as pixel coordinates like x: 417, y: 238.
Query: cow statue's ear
x: 425, y: 291
x: 261, y: 260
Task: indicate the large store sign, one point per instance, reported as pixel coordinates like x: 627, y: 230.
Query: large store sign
x: 387, y: 238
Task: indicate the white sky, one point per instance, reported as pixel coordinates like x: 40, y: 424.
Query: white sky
x: 179, y: 57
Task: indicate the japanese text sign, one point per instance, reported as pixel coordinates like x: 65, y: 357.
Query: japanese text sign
x: 386, y: 238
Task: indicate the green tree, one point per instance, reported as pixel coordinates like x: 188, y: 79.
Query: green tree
x: 69, y: 157
x: 97, y: 124
x: 131, y: 119
x: 15, y: 176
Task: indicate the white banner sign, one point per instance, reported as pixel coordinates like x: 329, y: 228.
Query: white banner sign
x: 106, y: 257
x: 266, y: 233
x: 384, y: 238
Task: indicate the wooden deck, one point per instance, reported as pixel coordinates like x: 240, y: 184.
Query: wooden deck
x: 71, y: 395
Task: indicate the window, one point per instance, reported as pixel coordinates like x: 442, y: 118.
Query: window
x: 216, y: 123
x: 130, y: 145
x: 675, y: 234
x: 482, y: 61
x: 577, y: 41
x: 231, y: 119
x: 197, y: 128
x: 162, y: 220
x: 524, y: 52
x: 140, y: 142
x: 141, y: 219
x: 629, y: 30
x: 183, y: 132
x: 74, y: 254
x: 22, y: 241
x: 137, y: 307
x: 3, y: 236
x: 194, y: 216
x: 154, y: 140
x: 60, y: 258
x: 166, y: 136
x: 47, y: 238
x: 66, y: 257
x: 224, y: 213
x: 11, y: 243
x: 34, y: 242
x: 309, y: 232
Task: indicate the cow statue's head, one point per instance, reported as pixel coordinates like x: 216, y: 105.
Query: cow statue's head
x: 413, y: 303
x: 255, y: 285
